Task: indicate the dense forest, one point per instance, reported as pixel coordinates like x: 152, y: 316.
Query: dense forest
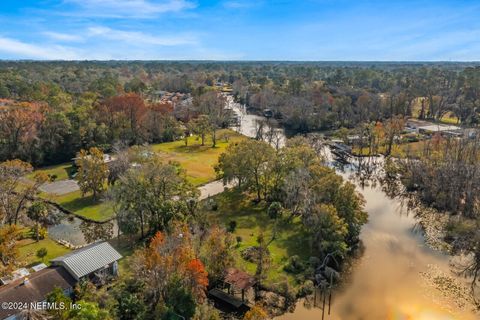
x: 51, y: 110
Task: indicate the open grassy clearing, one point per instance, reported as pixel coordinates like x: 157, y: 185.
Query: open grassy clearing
x: 197, y: 160
x: 28, y: 251
x: 97, y: 210
x: 252, y: 219
x: 60, y: 171
x: 398, y: 151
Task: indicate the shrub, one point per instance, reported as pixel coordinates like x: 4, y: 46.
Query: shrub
x: 294, y: 265
x: 212, y: 204
x: 42, y: 253
x: 306, y: 289
x: 275, y: 210
x: 239, y: 240
x: 232, y: 225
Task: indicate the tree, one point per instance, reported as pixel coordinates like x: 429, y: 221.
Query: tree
x: 174, y: 278
x: 179, y: 301
x: 256, y: 313
x: 18, y: 132
x: 38, y: 212
x: 124, y: 116
x: 262, y: 261
x: 328, y: 229
x: 96, y: 231
x: 57, y: 296
x: 88, y: 311
x: 197, y: 277
x: 201, y: 126
x: 151, y: 196
x: 218, y: 252
x: 206, y: 312
x: 247, y: 162
x: 14, y: 194
x: 129, y: 298
x: 393, y: 128
x: 92, y: 171
x: 42, y: 253
x: 9, y: 247
x: 212, y: 104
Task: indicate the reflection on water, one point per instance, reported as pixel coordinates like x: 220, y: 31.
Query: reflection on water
x: 77, y: 232
x: 66, y: 228
x: 396, y: 276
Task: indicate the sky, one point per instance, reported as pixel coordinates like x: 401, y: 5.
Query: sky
x: 310, y: 30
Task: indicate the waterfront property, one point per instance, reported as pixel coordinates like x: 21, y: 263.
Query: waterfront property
x: 95, y: 262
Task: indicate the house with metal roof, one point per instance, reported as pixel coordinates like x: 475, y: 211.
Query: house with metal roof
x: 94, y: 262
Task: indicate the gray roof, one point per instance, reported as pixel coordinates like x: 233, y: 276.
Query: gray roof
x: 88, y: 259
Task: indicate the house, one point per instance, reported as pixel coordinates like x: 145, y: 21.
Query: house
x: 34, y: 288
x: 94, y: 262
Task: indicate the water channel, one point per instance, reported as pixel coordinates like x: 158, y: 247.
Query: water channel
x: 397, y: 276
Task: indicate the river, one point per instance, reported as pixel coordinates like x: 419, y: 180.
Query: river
x: 397, y: 276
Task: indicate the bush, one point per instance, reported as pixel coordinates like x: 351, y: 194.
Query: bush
x: 294, y: 265
x: 251, y: 254
x: 275, y: 210
x: 306, y: 289
x: 42, y: 253
x: 239, y: 240
x: 232, y: 225
x: 212, y: 204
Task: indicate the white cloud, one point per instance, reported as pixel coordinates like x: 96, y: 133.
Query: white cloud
x: 238, y: 4
x: 62, y: 36
x: 139, y: 38
x: 129, y: 8
x: 23, y: 50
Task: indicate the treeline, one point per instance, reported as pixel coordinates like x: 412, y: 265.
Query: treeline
x: 54, y: 109
x: 349, y: 97
x: 446, y: 176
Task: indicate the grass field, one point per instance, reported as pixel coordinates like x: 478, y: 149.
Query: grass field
x: 197, y: 160
x: 28, y: 251
x: 398, y: 151
x: 251, y: 220
x: 61, y: 171
x: 84, y: 206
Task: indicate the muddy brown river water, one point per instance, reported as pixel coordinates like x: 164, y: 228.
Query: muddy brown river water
x: 398, y: 277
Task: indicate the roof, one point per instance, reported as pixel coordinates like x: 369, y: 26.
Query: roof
x: 239, y: 279
x: 88, y: 259
x: 39, y: 285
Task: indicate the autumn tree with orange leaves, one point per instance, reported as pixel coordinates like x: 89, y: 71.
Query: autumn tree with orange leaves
x: 124, y: 111
x: 170, y: 261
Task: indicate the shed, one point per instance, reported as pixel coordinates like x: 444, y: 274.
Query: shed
x: 95, y: 259
x: 239, y: 280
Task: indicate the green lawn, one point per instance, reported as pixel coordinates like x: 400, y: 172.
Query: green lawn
x: 398, y: 150
x: 84, y: 206
x: 252, y: 219
x: 61, y: 171
x: 197, y: 160
x: 28, y: 251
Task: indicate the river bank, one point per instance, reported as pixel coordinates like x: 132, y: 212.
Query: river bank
x: 404, y: 271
